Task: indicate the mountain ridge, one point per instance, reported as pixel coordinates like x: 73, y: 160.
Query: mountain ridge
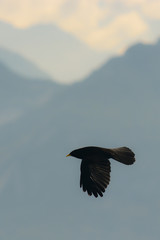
x: 20, y: 65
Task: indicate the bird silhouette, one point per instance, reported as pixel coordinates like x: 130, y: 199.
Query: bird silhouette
x: 95, y: 166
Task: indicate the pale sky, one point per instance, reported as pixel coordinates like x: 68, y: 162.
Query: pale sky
x: 102, y: 24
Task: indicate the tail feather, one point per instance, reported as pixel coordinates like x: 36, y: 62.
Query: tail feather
x: 123, y: 155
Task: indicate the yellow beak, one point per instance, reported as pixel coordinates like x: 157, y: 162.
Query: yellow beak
x: 68, y: 155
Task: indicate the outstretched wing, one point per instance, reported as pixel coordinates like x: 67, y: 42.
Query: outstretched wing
x: 95, y: 176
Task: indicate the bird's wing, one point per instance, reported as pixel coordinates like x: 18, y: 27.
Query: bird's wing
x: 95, y: 176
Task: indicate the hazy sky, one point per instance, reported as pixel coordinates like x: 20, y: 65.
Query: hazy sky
x: 102, y: 24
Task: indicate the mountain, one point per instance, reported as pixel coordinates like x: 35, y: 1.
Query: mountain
x: 19, y: 94
x: 20, y: 65
x: 39, y: 191
x: 54, y: 51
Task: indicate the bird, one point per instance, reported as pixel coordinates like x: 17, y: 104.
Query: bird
x: 95, y: 166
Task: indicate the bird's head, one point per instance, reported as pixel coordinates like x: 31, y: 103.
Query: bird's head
x: 76, y: 153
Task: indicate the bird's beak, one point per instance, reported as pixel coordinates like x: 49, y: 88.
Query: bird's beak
x: 68, y: 155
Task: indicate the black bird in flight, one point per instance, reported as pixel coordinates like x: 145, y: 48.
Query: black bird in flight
x: 95, y: 166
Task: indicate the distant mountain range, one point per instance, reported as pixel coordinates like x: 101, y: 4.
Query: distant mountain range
x: 57, y: 53
x: 116, y: 105
x: 21, y: 65
x: 19, y: 94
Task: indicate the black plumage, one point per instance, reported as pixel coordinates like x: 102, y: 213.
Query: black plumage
x: 95, y: 166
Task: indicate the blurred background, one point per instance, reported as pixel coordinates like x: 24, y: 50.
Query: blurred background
x: 72, y: 74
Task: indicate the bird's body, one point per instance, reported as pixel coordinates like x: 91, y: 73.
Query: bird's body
x: 95, y: 166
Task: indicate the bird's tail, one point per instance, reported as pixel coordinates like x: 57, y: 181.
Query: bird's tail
x: 123, y: 155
